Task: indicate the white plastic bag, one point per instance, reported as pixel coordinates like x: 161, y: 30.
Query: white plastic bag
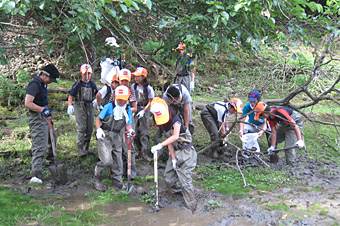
x: 108, y: 71
x: 249, y: 141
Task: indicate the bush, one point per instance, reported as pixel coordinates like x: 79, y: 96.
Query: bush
x: 11, y: 94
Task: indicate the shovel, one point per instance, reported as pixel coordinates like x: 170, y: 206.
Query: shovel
x: 155, y: 168
x: 129, y: 184
x: 58, y: 171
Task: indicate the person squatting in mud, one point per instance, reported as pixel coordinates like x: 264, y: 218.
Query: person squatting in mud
x: 84, y: 92
x: 287, y: 128
x: 144, y: 95
x: 111, y: 123
x: 182, y: 154
x: 214, y: 118
x: 36, y: 101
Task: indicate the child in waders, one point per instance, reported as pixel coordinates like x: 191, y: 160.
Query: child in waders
x: 124, y: 77
x: 214, y: 118
x: 111, y: 123
x: 144, y: 95
x: 183, y: 157
x: 286, y: 127
x: 84, y: 92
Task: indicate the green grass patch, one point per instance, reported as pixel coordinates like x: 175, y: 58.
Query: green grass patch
x: 110, y: 196
x: 274, y: 206
x: 230, y: 182
x: 17, y: 208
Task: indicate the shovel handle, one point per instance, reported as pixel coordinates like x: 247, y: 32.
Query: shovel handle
x: 127, y: 139
x: 52, y: 138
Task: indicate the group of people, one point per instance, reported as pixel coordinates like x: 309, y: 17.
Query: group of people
x: 128, y: 108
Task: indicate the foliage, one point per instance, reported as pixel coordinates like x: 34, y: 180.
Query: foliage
x: 11, y: 94
x: 148, y: 198
x: 22, y: 77
x: 213, y: 204
x: 110, y: 196
x: 229, y: 181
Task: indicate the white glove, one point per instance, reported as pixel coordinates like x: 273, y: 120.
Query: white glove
x: 99, y: 108
x: 70, y: 109
x: 140, y: 114
x: 174, y: 163
x: 156, y: 148
x: 94, y: 103
x: 192, y: 85
x: 225, y: 140
x: 100, y: 134
x: 131, y: 133
x: 270, y: 150
x: 300, y: 143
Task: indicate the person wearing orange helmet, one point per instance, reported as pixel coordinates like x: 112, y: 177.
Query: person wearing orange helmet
x: 214, y: 118
x: 286, y: 125
x: 111, y: 124
x: 183, y: 157
x: 183, y: 73
x: 144, y: 95
x: 84, y: 93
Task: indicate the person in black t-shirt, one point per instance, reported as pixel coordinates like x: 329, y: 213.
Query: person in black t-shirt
x: 36, y: 101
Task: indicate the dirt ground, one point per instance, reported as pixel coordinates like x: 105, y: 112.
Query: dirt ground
x: 251, y: 210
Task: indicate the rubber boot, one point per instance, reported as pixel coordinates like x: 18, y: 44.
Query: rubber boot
x: 190, y: 201
x: 98, y: 184
x: 88, y: 152
x: 214, y: 153
x: 117, y: 184
x: 145, y: 155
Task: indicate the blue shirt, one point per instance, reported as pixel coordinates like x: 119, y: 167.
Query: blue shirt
x: 246, y: 109
x: 74, y: 89
x: 108, y: 110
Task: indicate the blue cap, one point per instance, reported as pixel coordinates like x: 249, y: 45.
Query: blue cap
x: 253, y: 95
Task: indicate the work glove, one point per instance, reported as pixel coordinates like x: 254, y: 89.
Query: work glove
x: 94, y: 103
x: 300, y: 143
x: 70, y: 109
x: 130, y: 133
x: 225, y: 140
x: 192, y: 85
x: 156, y: 148
x: 99, y: 108
x: 140, y: 114
x: 174, y: 163
x: 47, y: 112
x: 100, y: 134
x: 270, y: 150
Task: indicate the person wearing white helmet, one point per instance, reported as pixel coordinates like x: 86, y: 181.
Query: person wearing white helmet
x: 184, y: 75
x: 214, y: 118
x: 182, y: 155
x: 84, y: 92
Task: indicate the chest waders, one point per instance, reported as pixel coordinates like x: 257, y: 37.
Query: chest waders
x: 106, y: 99
x: 84, y: 113
x: 186, y: 162
x: 142, y: 125
x: 110, y: 152
x: 182, y: 74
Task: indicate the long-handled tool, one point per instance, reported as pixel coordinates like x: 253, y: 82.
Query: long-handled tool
x: 155, y: 168
x: 58, y: 171
x: 129, y: 184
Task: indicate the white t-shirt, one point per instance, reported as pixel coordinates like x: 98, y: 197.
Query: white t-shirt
x: 221, y: 110
x: 103, y: 91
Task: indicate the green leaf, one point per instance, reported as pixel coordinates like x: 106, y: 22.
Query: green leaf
x: 50, y: 48
x: 112, y: 12
x: 294, y: 56
x: 29, y: 23
x: 41, y: 5
x: 225, y: 15
x: 238, y: 6
x: 31, y: 40
x: 148, y: 3
x: 128, y: 3
x: 295, y: 44
x: 135, y: 5
x: 9, y: 7
x: 127, y: 28
x: 124, y: 8
x: 215, y: 45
